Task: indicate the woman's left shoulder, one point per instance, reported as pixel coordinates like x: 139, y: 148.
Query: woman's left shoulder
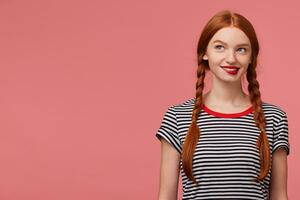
x: 273, y: 109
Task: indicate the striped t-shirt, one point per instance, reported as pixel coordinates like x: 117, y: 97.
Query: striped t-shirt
x: 226, y: 158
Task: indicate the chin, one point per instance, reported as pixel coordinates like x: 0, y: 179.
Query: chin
x: 226, y: 78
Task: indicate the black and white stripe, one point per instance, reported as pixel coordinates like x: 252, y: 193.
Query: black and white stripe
x: 226, y: 158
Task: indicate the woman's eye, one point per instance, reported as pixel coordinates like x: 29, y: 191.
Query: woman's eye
x: 243, y: 49
x: 218, y: 47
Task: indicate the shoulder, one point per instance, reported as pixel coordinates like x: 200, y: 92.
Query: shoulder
x: 275, y: 111
x: 185, y: 105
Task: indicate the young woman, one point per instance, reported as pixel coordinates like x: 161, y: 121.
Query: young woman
x: 225, y: 143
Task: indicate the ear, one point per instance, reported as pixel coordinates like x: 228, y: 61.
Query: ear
x: 205, y: 57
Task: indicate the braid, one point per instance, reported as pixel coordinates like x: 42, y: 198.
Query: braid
x: 193, y: 134
x: 262, y: 142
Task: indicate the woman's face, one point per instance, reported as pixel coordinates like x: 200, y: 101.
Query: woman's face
x: 229, y: 47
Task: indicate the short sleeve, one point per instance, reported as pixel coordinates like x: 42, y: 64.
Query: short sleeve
x: 281, y: 133
x: 168, y: 129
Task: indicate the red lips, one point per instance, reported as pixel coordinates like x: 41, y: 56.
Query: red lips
x: 230, y: 67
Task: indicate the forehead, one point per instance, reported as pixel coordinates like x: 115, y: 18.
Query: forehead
x: 231, y: 36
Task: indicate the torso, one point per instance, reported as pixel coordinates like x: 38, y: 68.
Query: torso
x: 226, y: 158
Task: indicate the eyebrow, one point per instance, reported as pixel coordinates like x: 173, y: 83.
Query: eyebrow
x: 243, y: 44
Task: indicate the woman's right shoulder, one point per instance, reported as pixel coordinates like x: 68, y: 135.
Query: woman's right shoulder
x: 185, y: 105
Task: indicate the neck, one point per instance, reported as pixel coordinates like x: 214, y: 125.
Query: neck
x: 226, y: 94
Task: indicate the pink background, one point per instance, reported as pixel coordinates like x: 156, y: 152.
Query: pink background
x: 84, y: 85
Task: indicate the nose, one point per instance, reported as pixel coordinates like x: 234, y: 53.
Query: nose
x: 230, y: 57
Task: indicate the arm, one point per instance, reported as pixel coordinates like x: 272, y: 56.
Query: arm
x: 169, y: 172
x: 278, y: 185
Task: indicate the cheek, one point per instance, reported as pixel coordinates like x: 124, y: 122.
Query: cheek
x: 216, y: 58
x: 244, y: 60
x: 214, y: 63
